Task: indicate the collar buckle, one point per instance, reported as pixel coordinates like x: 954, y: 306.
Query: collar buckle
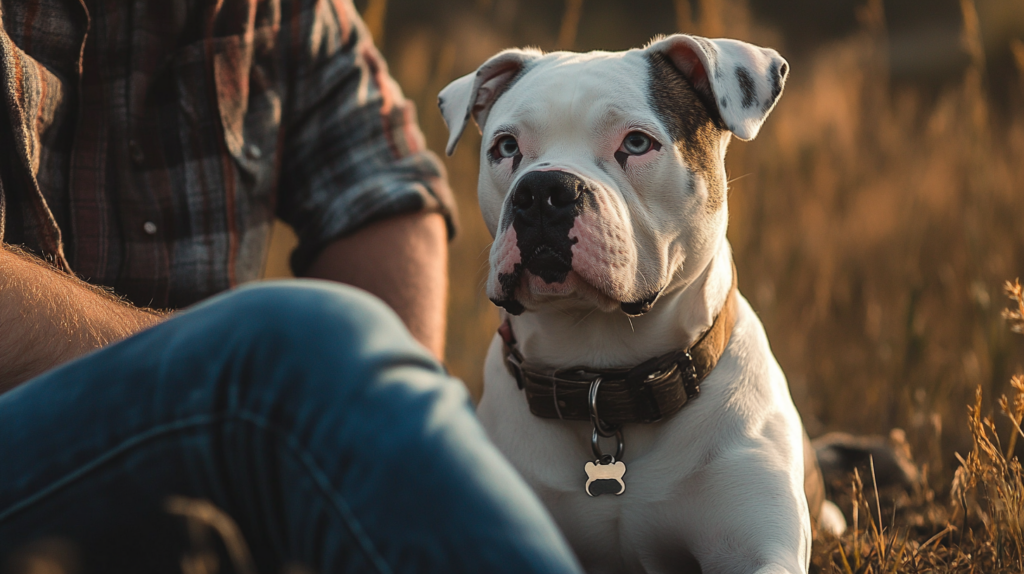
x: 691, y: 381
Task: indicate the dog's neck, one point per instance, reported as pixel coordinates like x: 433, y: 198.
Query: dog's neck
x: 559, y: 339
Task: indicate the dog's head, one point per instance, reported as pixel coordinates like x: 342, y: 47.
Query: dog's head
x: 602, y: 174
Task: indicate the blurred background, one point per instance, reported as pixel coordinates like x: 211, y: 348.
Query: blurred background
x: 874, y: 220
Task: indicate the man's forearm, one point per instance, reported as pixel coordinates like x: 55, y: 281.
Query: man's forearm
x: 404, y: 261
x: 48, y: 318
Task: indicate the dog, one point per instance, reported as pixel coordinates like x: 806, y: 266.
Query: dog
x: 630, y: 384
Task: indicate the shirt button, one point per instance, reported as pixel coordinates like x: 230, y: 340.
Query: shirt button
x: 149, y: 227
x: 135, y: 151
x: 253, y: 151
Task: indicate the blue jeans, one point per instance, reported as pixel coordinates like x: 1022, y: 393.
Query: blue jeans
x: 317, y: 430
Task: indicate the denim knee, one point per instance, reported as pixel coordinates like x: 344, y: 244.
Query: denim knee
x: 314, y: 320
x: 296, y: 305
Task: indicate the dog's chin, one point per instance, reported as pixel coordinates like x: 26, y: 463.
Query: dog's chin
x: 574, y: 292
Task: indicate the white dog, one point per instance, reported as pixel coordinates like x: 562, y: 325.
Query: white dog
x: 603, y: 183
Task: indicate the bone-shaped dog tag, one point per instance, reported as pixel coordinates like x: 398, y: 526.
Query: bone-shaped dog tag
x: 611, y: 470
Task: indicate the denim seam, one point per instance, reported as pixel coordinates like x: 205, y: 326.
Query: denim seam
x: 320, y: 478
x: 106, y: 457
x: 343, y: 509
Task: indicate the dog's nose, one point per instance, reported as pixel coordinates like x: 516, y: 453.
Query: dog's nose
x: 547, y: 193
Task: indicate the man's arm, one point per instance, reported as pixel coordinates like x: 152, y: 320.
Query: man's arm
x: 48, y: 317
x: 353, y: 153
x: 404, y: 261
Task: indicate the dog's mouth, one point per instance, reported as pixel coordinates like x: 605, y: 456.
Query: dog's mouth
x: 524, y: 287
x: 542, y: 272
x: 549, y: 265
x: 511, y: 306
x: 640, y: 306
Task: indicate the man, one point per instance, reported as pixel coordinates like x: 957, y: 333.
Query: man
x: 147, y: 147
x: 190, y: 130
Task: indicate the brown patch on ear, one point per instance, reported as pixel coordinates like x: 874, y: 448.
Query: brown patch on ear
x: 692, y: 122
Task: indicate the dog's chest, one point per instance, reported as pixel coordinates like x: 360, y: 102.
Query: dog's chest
x: 609, y: 533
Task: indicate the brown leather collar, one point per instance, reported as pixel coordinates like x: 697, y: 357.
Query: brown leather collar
x: 646, y: 393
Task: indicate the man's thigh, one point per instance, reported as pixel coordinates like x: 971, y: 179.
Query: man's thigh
x: 303, y: 410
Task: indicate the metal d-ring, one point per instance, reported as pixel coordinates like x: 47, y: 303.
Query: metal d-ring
x: 594, y: 417
x: 596, y: 447
x: 600, y: 429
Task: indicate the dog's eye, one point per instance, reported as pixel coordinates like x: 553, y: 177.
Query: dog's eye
x: 506, y: 147
x: 637, y: 143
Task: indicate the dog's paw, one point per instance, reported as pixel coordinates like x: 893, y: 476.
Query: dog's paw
x: 831, y: 519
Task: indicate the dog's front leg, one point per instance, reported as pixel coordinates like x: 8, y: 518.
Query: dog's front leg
x: 747, y: 514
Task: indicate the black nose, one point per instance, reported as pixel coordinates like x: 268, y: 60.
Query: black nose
x: 548, y: 193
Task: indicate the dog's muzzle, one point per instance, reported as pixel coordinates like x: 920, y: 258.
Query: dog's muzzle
x: 544, y: 206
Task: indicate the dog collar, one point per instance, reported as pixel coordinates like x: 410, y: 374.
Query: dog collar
x: 657, y: 388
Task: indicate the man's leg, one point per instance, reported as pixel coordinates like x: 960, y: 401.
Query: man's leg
x: 304, y: 410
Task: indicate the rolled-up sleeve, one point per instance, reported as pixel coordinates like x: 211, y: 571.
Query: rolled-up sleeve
x: 353, y: 151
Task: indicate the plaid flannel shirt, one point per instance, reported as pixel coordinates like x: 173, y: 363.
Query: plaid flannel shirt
x: 148, y: 144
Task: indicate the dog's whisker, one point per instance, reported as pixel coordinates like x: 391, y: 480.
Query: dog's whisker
x: 737, y: 178
x: 577, y: 323
x: 646, y: 282
x: 564, y: 313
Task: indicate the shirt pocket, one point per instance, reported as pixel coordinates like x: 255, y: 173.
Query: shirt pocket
x: 249, y: 105
x: 226, y: 89
x: 227, y: 115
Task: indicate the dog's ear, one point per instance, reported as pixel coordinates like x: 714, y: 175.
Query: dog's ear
x: 475, y: 93
x: 740, y: 81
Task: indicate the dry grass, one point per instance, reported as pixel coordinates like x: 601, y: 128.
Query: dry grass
x: 1015, y: 316
x: 871, y: 231
x: 977, y: 527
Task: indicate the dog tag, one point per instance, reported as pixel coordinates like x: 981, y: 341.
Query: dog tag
x: 605, y: 477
